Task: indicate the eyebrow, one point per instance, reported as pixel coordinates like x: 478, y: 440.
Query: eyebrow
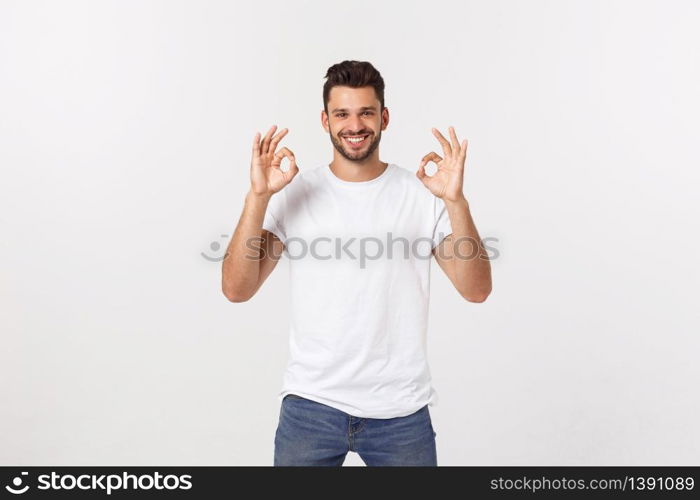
x: 363, y: 108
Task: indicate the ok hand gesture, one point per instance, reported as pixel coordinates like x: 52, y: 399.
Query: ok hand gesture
x: 447, y: 182
x: 266, y: 176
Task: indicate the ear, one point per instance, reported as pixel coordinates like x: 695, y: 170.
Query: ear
x: 324, y: 120
x: 385, y: 118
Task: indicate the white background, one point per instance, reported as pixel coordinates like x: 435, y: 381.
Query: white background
x: 125, y: 132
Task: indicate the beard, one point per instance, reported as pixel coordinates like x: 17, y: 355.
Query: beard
x: 357, y: 156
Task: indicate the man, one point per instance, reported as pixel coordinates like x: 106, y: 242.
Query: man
x: 357, y: 378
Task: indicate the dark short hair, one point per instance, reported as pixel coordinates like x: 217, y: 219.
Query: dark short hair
x: 353, y: 74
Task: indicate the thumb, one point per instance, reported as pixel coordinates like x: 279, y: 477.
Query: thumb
x: 292, y: 171
x: 421, y: 174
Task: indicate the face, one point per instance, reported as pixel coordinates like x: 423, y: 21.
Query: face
x: 355, y: 121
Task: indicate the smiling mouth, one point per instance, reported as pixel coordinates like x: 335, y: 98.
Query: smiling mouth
x: 355, y: 141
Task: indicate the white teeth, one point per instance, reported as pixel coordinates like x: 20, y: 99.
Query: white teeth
x: 355, y: 139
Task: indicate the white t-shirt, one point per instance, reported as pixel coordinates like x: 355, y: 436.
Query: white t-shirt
x: 357, y: 339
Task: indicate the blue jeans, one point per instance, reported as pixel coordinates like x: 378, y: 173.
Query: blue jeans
x: 314, y: 434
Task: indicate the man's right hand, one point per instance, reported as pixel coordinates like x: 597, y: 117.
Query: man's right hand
x: 266, y: 176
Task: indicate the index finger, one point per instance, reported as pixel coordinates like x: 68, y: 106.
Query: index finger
x: 432, y: 156
x: 280, y: 155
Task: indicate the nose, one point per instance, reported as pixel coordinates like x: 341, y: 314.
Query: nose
x: 356, y: 125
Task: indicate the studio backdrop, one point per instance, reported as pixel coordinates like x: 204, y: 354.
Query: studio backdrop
x: 125, y: 134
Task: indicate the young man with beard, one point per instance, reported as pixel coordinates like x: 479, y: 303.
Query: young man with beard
x: 357, y: 378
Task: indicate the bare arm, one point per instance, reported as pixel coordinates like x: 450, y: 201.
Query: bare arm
x: 461, y: 255
x: 253, y: 252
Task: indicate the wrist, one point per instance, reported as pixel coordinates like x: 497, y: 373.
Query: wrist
x: 254, y: 197
x: 457, y: 202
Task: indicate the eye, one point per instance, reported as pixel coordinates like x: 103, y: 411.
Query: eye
x: 340, y: 114
x: 368, y: 112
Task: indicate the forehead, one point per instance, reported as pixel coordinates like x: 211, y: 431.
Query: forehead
x: 348, y: 97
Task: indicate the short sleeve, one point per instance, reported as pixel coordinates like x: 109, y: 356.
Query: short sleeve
x: 274, y: 216
x: 442, y: 227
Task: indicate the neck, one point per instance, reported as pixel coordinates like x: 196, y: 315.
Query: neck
x: 355, y: 171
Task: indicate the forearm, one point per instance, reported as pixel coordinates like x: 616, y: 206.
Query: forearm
x: 241, y: 265
x: 470, y: 261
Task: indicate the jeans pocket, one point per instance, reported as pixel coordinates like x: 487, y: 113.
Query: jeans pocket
x: 430, y: 421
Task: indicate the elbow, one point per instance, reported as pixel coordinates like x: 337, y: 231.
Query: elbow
x: 235, y: 290
x: 236, y: 296
x: 476, y: 297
